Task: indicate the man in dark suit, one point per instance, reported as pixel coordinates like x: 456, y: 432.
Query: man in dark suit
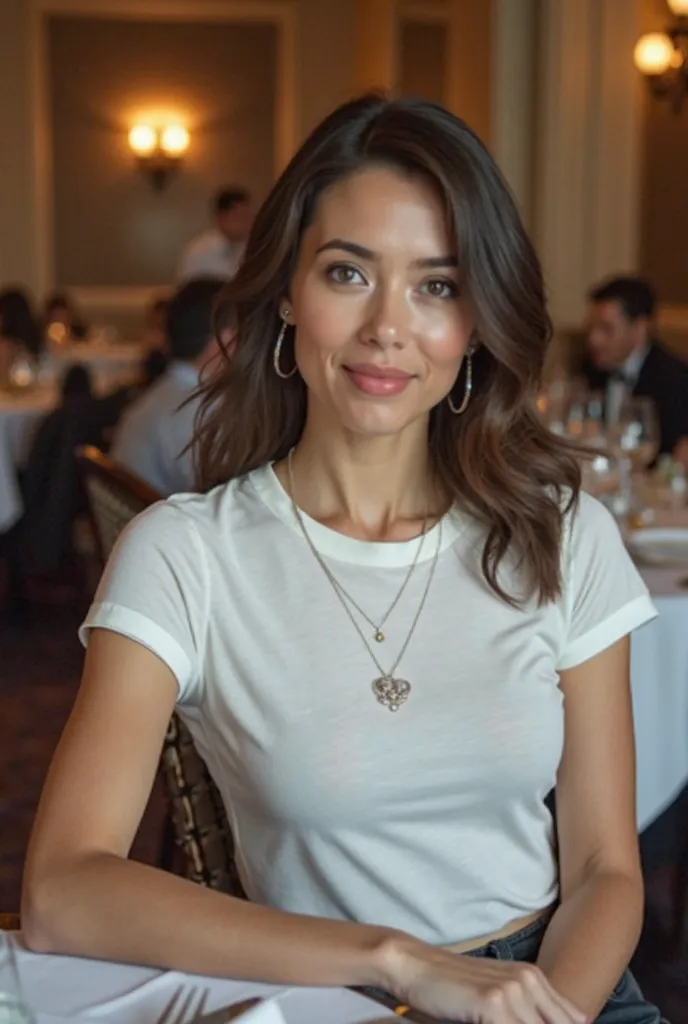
x: 624, y: 357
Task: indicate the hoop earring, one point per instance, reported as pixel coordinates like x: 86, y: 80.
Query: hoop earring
x: 277, y: 352
x: 459, y: 410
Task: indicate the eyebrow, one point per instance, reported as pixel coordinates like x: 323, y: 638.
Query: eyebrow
x: 341, y: 245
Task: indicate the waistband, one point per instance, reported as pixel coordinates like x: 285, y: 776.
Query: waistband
x: 523, y: 944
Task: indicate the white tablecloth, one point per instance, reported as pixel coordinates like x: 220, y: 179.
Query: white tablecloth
x: 67, y: 988
x: 659, y: 683
x: 110, y: 365
x: 19, y: 417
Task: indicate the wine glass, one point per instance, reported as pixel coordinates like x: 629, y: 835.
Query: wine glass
x: 13, y: 1006
x: 634, y: 432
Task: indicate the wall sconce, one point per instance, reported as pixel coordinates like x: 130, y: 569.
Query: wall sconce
x: 663, y: 57
x: 159, y: 151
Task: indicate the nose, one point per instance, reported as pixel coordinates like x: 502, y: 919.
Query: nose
x: 387, y: 321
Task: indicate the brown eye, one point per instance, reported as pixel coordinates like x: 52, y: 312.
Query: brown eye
x: 441, y: 288
x: 343, y: 273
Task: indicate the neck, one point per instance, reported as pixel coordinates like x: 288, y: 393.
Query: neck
x: 373, y: 488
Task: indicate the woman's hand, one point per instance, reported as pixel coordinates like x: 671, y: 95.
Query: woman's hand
x: 474, y: 990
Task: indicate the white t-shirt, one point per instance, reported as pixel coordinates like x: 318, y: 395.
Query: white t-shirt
x: 430, y: 819
x: 210, y: 254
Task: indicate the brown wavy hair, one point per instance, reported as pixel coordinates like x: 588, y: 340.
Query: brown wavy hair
x: 498, y: 462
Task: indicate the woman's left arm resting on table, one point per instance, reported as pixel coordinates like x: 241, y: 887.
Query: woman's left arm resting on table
x: 595, y: 929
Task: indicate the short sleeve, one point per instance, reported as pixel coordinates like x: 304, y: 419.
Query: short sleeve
x: 604, y: 596
x: 155, y: 590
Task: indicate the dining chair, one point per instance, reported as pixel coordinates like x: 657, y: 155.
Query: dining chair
x: 196, y: 823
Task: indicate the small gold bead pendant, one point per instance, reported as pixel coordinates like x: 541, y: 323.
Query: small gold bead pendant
x: 379, y: 636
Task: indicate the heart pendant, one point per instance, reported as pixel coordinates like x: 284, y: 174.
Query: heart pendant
x: 390, y: 692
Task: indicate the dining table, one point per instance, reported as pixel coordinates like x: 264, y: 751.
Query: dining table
x: 110, y: 364
x: 60, y: 989
x: 20, y: 414
x: 659, y: 670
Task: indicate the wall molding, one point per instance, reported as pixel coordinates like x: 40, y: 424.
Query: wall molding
x: 425, y: 12
x: 103, y: 297
x: 283, y: 14
x: 673, y: 318
x: 587, y: 199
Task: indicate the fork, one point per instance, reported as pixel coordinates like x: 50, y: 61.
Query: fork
x: 186, y: 1011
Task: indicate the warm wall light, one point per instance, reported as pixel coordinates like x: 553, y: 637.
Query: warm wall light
x: 653, y: 53
x: 159, y: 150
x: 663, y: 58
x: 142, y: 139
x: 174, y: 140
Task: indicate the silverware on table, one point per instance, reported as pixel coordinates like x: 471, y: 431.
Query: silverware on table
x: 227, y: 1013
x: 184, y: 1007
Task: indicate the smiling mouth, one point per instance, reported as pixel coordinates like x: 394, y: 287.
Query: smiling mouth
x: 379, y: 381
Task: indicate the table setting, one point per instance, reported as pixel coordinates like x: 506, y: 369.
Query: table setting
x: 30, y: 389
x: 647, y: 493
x: 50, y: 989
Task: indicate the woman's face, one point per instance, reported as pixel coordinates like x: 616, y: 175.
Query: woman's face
x: 381, y: 327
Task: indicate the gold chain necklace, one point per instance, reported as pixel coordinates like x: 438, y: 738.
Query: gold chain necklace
x: 389, y: 690
x: 378, y: 635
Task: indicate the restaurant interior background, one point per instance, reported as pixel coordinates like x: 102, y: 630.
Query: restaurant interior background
x: 597, y: 162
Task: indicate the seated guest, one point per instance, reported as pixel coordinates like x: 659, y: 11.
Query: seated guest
x: 155, y: 336
x: 624, y: 356
x: 59, y: 309
x: 153, y: 435
x: 218, y: 251
x: 19, y: 329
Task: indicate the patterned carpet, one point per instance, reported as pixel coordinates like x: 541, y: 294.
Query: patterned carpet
x: 39, y: 672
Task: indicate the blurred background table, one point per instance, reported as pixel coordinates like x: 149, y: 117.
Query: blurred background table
x: 659, y: 684
x: 111, y: 364
x: 20, y: 415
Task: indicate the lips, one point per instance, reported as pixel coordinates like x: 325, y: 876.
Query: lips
x: 380, y: 381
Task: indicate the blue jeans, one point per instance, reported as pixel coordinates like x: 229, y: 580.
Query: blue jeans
x: 625, y: 1005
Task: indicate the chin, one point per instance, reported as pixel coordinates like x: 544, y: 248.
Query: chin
x: 376, y: 421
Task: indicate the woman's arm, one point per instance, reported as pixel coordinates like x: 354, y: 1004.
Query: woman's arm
x: 593, y: 934
x: 82, y: 896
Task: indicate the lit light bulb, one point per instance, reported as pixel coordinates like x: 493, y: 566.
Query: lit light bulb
x: 174, y: 140
x: 653, y: 53
x: 142, y: 139
x: 679, y: 7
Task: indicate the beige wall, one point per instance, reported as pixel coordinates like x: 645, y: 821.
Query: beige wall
x: 423, y: 60
x: 17, y: 228
x: 327, y: 45
x: 110, y: 228
x: 327, y: 33
x: 664, y: 208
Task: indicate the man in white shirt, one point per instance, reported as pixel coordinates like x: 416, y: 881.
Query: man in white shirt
x: 218, y: 251
x: 152, y: 437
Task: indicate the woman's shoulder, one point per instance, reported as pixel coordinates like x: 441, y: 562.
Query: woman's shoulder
x: 586, y: 518
x: 211, y: 517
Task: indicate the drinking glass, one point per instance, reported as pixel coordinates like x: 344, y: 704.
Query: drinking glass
x: 634, y: 432
x: 13, y: 1006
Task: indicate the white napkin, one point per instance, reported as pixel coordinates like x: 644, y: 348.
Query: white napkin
x: 267, y: 1012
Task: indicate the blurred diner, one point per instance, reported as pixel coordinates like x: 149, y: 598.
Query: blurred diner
x: 218, y: 250
x: 154, y: 436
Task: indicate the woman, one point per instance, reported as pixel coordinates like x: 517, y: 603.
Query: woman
x: 389, y: 619
x: 19, y: 330
x: 59, y: 309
